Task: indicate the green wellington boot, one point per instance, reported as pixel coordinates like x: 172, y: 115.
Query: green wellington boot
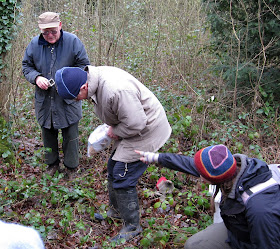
x: 127, y: 200
x: 113, y: 205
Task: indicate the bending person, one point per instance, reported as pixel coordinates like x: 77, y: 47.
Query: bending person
x: 136, y: 119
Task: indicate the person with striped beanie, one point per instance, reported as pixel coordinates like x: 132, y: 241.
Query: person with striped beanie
x: 250, y: 200
x: 215, y: 164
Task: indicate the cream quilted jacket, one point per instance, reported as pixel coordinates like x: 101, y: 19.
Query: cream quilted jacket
x: 134, y: 112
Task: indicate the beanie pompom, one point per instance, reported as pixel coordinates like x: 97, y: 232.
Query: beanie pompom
x: 69, y: 80
x: 215, y: 163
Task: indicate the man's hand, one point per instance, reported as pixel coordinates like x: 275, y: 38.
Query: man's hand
x: 42, y: 82
x: 148, y: 157
x: 111, y: 134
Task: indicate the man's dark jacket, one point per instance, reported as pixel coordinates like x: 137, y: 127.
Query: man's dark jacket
x: 44, y: 59
x: 251, y: 226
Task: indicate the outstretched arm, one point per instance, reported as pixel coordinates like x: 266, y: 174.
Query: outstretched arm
x: 172, y: 161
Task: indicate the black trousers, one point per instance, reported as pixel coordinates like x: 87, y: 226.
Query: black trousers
x: 70, y: 145
x: 125, y: 175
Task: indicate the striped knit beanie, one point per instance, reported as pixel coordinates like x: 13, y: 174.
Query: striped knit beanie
x: 215, y: 163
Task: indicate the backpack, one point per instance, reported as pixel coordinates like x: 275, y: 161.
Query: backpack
x: 274, y: 180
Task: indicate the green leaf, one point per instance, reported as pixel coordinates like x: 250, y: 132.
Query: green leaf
x: 6, y: 154
x: 157, y: 205
x: 145, y: 242
x: 171, y: 201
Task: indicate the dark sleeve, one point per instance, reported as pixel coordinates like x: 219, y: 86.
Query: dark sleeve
x: 28, y: 66
x: 177, y: 162
x: 81, y: 57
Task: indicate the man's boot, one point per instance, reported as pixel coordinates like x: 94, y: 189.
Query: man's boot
x: 113, y: 205
x: 52, y: 168
x: 127, y: 200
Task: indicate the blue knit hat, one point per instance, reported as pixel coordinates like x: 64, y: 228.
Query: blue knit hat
x: 69, y: 80
x: 215, y: 163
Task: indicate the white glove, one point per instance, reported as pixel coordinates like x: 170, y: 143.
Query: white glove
x: 148, y: 157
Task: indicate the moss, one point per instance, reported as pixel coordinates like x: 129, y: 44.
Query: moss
x: 6, y: 149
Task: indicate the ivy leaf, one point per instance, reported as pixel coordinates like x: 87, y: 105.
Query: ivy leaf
x: 6, y: 154
x: 157, y: 204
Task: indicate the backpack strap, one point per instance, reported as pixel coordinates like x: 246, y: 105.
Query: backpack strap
x: 274, y: 180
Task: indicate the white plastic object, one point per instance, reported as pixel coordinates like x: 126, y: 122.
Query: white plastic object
x: 51, y: 82
x: 98, y: 140
x: 19, y: 236
x: 217, y: 215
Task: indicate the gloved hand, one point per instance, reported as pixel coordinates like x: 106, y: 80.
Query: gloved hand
x: 148, y: 157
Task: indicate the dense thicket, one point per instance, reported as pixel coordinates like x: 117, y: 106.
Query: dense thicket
x: 246, y: 36
x: 9, y: 10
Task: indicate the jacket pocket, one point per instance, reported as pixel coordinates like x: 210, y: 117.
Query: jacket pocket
x: 41, y: 106
x: 70, y: 101
x: 72, y: 110
x: 39, y: 96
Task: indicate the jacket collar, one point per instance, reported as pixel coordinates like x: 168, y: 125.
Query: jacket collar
x: 241, y: 161
x: 43, y: 42
x: 252, y: 171
x: 93, y: 82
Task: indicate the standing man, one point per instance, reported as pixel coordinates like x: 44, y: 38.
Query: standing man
x: 136, y: 119
x: 45, y: 54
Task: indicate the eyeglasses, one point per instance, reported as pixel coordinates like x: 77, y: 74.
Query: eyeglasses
x: 53, y: 32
